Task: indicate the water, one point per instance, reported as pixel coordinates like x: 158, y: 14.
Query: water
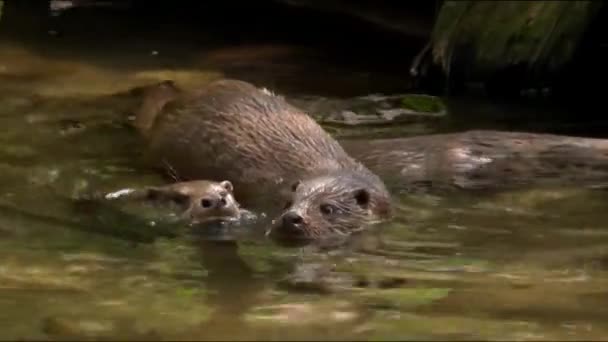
x: 524, y: 265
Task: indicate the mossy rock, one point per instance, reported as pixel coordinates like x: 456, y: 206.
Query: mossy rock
x: 403, y: 298
x: 374, y: 111
x: 313, y: 311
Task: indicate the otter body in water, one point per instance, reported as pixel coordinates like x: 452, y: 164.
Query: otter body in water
x: 484, y: 160
x: 201, y: 201
x: 272, y: 152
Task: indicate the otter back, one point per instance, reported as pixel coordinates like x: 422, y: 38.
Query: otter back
x: 233, y: 130
x: 484, y: 160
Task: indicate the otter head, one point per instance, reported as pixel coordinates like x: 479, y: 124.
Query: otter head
x: 330, y: 207
x: 202, y: 201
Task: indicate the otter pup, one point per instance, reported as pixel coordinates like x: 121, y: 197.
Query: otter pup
x: 202, y: 201
x: 273, y: 152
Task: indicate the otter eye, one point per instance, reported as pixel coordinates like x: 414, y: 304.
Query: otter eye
x: 327, y: 209
x: 287, y: 205
x: 206, y: 203
x: 295, y: 186
x: 362, y: 197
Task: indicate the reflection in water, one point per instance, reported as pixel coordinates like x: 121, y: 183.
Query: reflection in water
x: 233, y: 288
x: 528, y: 264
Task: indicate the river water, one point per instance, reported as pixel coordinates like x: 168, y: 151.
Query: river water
x: 524, y: 265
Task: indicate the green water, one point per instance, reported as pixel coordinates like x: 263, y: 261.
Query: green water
x: 526, y: 265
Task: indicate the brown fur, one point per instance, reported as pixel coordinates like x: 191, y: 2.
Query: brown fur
x: 233, y: 130
x: 153, y: 99
x: 484, y: 160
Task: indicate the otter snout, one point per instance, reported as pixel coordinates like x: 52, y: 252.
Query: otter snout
x: 289, y: 230
x: 292, y: 221
x: 213, y: 205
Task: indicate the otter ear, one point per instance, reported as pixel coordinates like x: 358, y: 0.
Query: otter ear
x: 362, y: 196
x: 295, y: 185
x: 227, y: 185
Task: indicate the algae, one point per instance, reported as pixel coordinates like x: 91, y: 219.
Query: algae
x: 403, y: 298
x: 502, y: 33
x: 423, y: 103
x: 412, y: 326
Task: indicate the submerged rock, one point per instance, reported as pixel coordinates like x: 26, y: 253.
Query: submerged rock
x: 22, y: 277
x: 75, y: 328
x: 306, y: 313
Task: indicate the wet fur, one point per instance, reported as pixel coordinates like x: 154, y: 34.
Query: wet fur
x: 153, y: 99
x: 188, y: 196
x: 472, y: 160
x: 355, y: 207
x: 484, y: 160
x: 233, y: 130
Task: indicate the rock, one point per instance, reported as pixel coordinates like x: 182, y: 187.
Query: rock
x: 64, y: 327
x: 299, y: 314
x: 375, y: 109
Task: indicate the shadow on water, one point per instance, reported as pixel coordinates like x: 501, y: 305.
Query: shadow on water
x: 234, y: 288
x: 210, y: 36
x: 529, y: 264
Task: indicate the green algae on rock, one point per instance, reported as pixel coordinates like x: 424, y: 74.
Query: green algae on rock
x: 423, y: 103
x: 375, y: 115
x: 403, y: 298
x: 373, y: 109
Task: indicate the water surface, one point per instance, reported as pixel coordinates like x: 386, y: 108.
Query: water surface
x: 524, y: 265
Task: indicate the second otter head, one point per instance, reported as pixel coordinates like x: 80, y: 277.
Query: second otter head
x: 330, y: 207
x: 202, y: 201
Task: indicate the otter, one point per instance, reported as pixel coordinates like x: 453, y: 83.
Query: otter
x: 201, y: 201
x: 483, y: 160
x: 273, y: 152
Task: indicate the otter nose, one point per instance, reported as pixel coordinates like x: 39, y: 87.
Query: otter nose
x: 292, y: 219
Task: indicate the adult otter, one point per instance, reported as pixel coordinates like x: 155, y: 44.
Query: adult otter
x: 484, y: 160
x: 233, y: 130
x: 201, y: 201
